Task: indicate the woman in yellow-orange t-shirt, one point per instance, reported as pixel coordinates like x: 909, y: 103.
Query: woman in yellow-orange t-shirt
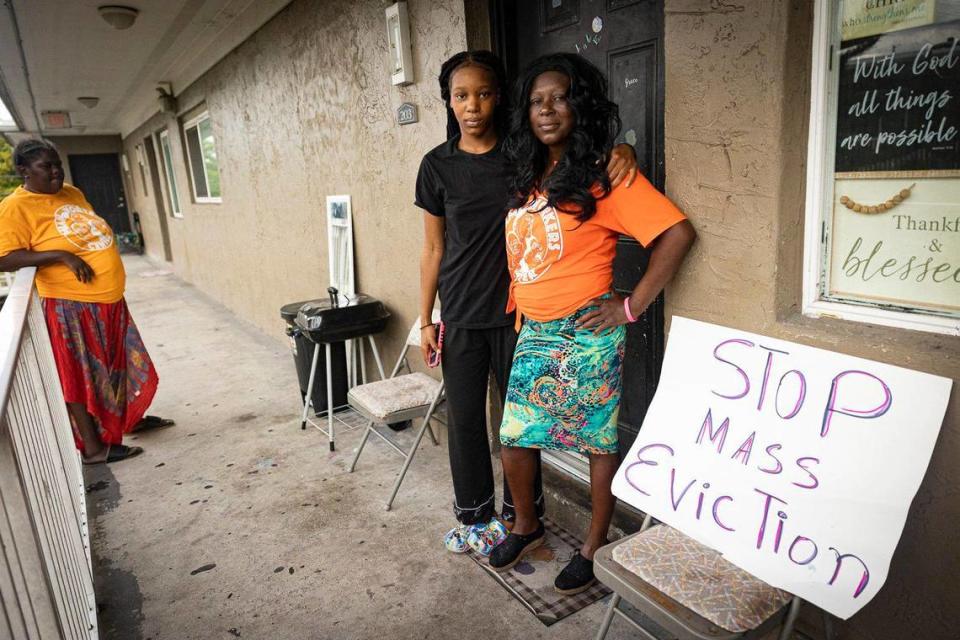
x: 107, y: 376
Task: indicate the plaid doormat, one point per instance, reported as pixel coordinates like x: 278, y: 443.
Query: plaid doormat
x: 531, y: 581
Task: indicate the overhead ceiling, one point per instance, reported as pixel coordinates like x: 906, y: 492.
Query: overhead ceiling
x: 65, y: 50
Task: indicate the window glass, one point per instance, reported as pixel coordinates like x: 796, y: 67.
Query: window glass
x: 889, y: 227
x: 195, y: 157
x: 167, y: 157
x: 209, y: 152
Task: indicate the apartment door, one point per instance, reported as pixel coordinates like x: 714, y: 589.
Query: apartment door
x: 98, y: 176
x: 624, y: 38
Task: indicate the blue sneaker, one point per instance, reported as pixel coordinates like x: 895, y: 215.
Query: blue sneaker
x: 485, y: 538
x: 456, y: 539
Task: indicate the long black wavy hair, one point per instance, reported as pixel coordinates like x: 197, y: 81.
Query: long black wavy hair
x: 583, y: 166
x: 485, y: 60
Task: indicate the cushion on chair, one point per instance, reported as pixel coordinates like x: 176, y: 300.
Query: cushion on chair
x: 700, y: 578
x: 384, y: 397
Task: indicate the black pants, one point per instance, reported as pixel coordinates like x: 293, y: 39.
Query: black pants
x: 468, y: 357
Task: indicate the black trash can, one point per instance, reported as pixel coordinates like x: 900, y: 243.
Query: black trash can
x: 303, y: 357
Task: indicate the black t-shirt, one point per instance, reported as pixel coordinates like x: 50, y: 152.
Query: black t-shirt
x: 470, y: 192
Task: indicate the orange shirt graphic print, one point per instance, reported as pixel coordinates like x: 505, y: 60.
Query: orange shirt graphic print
x: 534, y: 240
x: 83, y: 228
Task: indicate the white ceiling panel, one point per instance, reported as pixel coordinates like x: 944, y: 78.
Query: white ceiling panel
x: 70, y: 51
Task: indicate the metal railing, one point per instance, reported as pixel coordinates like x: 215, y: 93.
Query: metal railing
x: 46, y: 580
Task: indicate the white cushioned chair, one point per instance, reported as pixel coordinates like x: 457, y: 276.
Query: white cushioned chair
x: 396, y: 399
x: 691, y: 590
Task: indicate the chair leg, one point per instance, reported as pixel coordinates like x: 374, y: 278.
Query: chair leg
x: 432, y: 436
x: 608, y: 616
x: 356, y: 456
x: 313, y: 375
x: 409, y: 459
x: 376, y: 357
x: 647, y: 521
x: 791, y: 619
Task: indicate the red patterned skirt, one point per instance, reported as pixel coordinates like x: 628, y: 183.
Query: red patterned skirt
x: 102, y: 363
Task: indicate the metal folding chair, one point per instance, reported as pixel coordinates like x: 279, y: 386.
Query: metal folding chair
x: 675, y: 616
x: 395, y: 399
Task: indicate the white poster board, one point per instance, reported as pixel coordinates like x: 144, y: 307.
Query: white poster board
x: 797, y: 464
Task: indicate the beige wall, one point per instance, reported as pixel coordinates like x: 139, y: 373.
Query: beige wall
x: 737, y: 83
x: 302, y: 110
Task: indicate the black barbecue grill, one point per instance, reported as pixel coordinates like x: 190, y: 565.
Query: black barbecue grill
x: 324, y: 321
x: 327, y: 322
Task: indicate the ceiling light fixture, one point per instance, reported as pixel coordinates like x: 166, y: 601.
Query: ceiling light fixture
x: 89, y: 101
x: 117, y: 16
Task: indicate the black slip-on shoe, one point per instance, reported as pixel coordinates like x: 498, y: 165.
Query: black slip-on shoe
x: 509, y: 552
x: 576, y: 577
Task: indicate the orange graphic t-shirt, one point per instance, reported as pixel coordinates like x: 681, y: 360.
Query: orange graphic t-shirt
x: 558, y: 264
x: 63, y: 222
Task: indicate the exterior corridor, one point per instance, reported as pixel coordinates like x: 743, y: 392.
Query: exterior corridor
x: 235, y: 523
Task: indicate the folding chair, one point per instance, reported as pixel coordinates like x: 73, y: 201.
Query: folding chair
x: 710, y: 599
x: 395, y: 399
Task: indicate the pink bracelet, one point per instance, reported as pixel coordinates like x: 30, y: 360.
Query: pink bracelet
x: 626, y: 309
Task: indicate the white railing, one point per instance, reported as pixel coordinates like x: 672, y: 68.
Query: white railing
x: 46, y: 581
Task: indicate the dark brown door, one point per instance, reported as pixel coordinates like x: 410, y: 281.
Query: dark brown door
x: 98, y: 176
x: 624, y: 38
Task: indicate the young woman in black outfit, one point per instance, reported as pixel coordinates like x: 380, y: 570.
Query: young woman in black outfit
x: 462, y: 188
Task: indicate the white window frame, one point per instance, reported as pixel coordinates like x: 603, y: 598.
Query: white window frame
x: 173, y: 194
x: 195, y: 122
x: 819, y: 197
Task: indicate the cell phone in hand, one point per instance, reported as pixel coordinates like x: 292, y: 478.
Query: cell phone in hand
x: 433, y: 357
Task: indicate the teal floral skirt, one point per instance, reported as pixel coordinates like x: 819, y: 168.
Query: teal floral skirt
x: 564, y: 390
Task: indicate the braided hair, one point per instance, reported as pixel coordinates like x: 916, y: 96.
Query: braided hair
x: 485, y: 60
x: 29, y: 150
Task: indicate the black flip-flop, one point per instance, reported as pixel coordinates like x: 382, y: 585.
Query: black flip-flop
x: 152, y: 422
x: 116, y: 453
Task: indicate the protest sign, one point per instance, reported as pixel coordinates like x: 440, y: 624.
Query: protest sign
x: 797, y: 464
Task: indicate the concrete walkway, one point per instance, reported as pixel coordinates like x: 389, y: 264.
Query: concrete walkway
x: 237, y: 524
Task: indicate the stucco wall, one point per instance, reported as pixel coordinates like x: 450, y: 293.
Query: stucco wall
x: 302, y: 110
x: 737, y: 95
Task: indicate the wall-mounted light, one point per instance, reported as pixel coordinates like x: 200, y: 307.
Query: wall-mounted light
x: 118, y: 16
x: 398, y: 39
x: 168, y: 103
x: 125, y: 162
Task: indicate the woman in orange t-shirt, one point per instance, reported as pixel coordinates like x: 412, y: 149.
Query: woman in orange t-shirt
x: 107, y: 376
x: 561, y: 236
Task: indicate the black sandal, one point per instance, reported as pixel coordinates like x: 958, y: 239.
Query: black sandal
x: 576, y: 577
x: 152, y: 422
x: 116, y: 453
x: 511, y: 551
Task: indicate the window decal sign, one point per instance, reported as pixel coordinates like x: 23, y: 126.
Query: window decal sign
x: 797, y: 464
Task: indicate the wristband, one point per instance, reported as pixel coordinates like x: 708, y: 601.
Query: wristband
x: 424, y: 326
x: 626, y: 309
